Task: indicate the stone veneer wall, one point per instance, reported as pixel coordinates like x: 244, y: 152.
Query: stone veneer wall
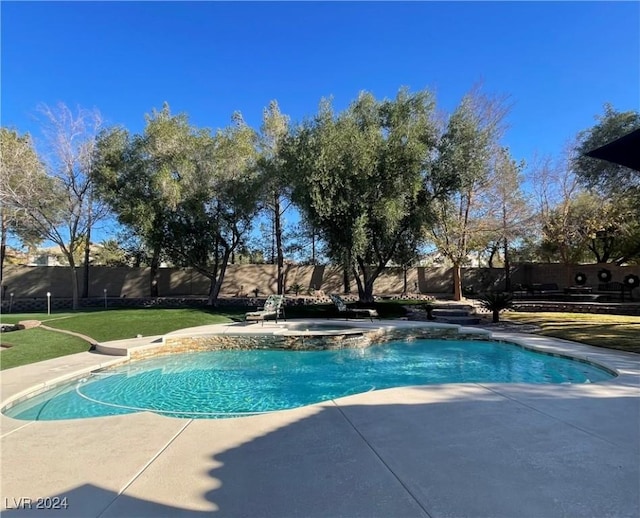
x: 183, y: 344
x: 573, y: 307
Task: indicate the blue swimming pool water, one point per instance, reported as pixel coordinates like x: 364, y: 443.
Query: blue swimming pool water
x: 232, y: 382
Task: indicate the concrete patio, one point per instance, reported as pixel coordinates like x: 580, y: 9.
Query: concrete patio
x: 465, y: 450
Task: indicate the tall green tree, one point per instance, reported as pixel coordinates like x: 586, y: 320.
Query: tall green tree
x: 219, y: 198
x: 273, y: 131
x: 362, y: 178
x: 618, y: 185
x: 137, y: 176
x: 465, y: 152
x: 606, y: 177
x: 21, y: 175
x: 188, y: 194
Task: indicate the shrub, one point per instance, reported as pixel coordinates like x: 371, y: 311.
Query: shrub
x: 496, y: 302
x: 295, y: 289
x: 428, y: 307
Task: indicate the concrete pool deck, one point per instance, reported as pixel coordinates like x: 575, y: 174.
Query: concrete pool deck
x: 459, y: 450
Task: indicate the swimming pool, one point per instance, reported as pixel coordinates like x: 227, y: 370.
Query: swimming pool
x: 229, y: 383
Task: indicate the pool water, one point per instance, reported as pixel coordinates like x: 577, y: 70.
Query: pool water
x: 232, y: 383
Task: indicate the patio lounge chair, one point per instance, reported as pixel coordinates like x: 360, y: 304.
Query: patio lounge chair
x: 272, y: 308
x: 355, y: 312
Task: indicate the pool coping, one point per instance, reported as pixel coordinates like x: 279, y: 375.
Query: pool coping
x: 393, y: 451
x: 121, y: 351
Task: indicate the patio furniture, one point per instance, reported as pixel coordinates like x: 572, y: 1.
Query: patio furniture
x: 273, y: 307
x: 578, y: 290
x: 355, y: 312
x: 615, y: 290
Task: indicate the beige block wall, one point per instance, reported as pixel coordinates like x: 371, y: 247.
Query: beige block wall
x: 241, y: 280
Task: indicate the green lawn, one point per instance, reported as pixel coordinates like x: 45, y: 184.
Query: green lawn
x: 115, y: 324
x: 31, y: 345
x: 36, y: 344
x: 611, y: 331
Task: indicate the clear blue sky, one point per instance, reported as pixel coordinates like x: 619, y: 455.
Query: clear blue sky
x: 558, y: 62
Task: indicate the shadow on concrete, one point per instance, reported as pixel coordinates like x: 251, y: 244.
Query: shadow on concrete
x: 83, y: 501
x: 441, y: 450
x: 488, y: 456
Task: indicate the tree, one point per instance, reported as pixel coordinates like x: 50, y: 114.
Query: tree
x: 608, y: 178
x: 511, y: 214
x: 304, y: 244
x: 362, y: 178
x: 136, y: 175
x: 465, y: 150
x: 406, y: 255
x: 21, y: 172
x: 275, y: 127
x: 605, y: 229
x: 617, y: 185
x: 556, y: 188
x: 219, y: 197
x: 110, y: 253
x: 61, y: 208
x: 186, y: 193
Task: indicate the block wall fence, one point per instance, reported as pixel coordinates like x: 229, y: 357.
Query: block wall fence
x: 242, y: 280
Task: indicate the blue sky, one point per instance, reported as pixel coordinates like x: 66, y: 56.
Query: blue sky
x: 558, y: 62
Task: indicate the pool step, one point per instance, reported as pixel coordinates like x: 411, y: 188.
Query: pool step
x: 447, y: 313
x: 437, y: 312
x: 459, y: 314
x: 461, y: 321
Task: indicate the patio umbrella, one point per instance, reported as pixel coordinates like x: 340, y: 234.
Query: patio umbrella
x: 624, y: 151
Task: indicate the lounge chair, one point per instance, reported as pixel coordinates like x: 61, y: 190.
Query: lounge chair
x: 355, y: 312
x: 272, y: 308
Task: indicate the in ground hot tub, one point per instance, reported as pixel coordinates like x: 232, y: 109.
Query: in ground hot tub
x: 320, y: 329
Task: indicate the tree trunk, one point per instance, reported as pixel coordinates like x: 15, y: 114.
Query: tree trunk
x: 278, y: 234
x: 154, y: 273
x: 3, y: 248
x: 368, y: 292
x: 85, y: 266
x: 404, y: 279
x: 74, y: 281
x: 273, y: 243
x: 507, y: 267
x: 457, y: 282
x: 217, y: 280
x: 496, y: 316
x: 346, y: 278
x: 365, y: 280
x: 87, y: 249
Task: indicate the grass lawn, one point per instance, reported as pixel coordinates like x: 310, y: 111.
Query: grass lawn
x: 611, y: 331
x: 34, y: 345
x: 31, y: 345
x: 37, y: 344
x: 115, y: 324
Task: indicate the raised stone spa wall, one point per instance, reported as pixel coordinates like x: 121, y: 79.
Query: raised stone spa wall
x: 299, y: 341
x: 600, y: 308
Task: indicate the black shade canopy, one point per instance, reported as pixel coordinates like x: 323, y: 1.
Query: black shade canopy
x: 624, y: 151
